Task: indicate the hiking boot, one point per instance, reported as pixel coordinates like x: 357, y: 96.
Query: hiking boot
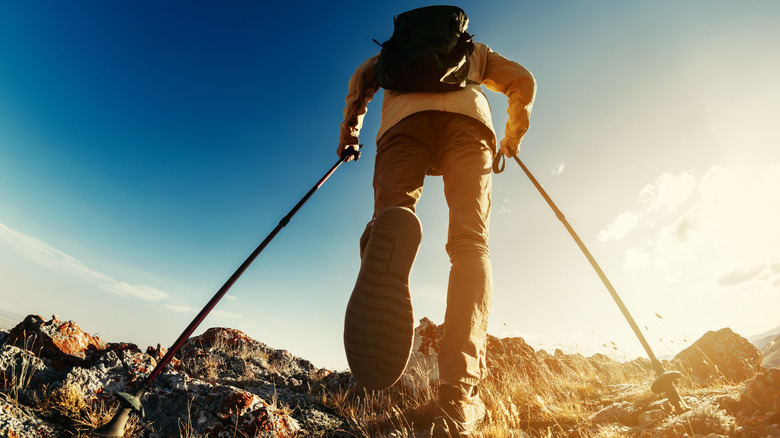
x: 379, y: 322
x: 460, y: 412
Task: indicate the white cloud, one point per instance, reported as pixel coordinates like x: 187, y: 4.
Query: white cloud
x: 179, y: 309
x: 51, y: 258
x: 635, y: 259
x: 224, y: 314
x: 669, y: 190
x: 740, y: 276
x: 620, y: 227
x: 730, y: 231
x: 141, y: 291
x: 559, y: 169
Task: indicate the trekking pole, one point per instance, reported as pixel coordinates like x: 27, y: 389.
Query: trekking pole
x: 132, y: 402
x: 664, y: 380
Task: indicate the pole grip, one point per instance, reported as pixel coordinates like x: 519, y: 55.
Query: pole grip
x: 351, y: 152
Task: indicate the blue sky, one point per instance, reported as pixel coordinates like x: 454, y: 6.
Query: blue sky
x: 146, y: 148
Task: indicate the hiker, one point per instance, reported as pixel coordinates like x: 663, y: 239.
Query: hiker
x: 440, y: 128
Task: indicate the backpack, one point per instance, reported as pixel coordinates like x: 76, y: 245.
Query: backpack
x: 430, y: 50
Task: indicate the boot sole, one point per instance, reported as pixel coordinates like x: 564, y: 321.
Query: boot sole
x: 379, y: 321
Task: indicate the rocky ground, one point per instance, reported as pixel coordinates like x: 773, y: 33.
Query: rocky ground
x: 58, y: 381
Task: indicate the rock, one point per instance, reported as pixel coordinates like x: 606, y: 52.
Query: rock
x: 180, y: 404
x: 224, y: 356
x: 113, y: 370
x: 762, y: 393
x: 64, y: 343
x: 510, y: 354
x: 234, y: 358
x: 624, y: 412
x: 502, y: 354
x: 771, y: 353
x: 19, y: 421
x: 651, y: 419
x: 224, y: 384
x: 252, y: 390
x: 721, y: 355
x: 423, y: 365
x: 23, y: 372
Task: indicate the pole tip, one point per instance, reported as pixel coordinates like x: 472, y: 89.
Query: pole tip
x: 665, y: 383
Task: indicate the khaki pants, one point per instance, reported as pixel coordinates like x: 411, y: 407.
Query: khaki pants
x: 460, y: 149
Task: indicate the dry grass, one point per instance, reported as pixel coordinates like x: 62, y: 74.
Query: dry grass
x: 68, y: 406
x: 225, y: 356
x: 531, y: 400
x: 545, y: 403
x: 85, y: 413
x: 399, y: 411
x: 16, y: 381
x: 543, y: 398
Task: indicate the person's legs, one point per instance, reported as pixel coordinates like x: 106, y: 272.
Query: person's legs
x: 461, y: 149
x: 402, y: 157
x: 465, y: 163
x: 379, y: 321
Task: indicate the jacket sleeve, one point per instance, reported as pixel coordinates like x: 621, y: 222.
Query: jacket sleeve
x: 361, y: 89
x: 518, y: 84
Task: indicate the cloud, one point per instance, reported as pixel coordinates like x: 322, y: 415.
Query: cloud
x: 51, y: 258
x: 740, y: 276
x: 179, y: 309
x: 728, y: 232
x: 669, y: 191
x: 635, y: 259
x: 559, y: 169
x: 224, y: 314
x: 620, y: 227
x: 141, y: 291
x: 684, y: 227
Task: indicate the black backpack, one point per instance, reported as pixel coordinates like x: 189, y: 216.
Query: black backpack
x: 429, y: 51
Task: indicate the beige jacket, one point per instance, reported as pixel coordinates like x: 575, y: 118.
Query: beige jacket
x: 488, y: 68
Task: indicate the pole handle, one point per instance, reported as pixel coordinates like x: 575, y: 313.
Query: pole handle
x: 351, y: 152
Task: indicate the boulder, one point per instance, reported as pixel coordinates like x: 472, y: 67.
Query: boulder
x: 254, y: 391
x: 19, y: 421
x: 178, y: 404
x: 502, y: 354
x: 511, y: 354
x: 423, y: 365
x: 237, y: 359
x: 22, y: 373
x: 720, y: 355
x: 762, y: 394
x: 64, y: 343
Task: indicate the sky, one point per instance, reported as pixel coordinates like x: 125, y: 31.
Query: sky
x: 147, y: 148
